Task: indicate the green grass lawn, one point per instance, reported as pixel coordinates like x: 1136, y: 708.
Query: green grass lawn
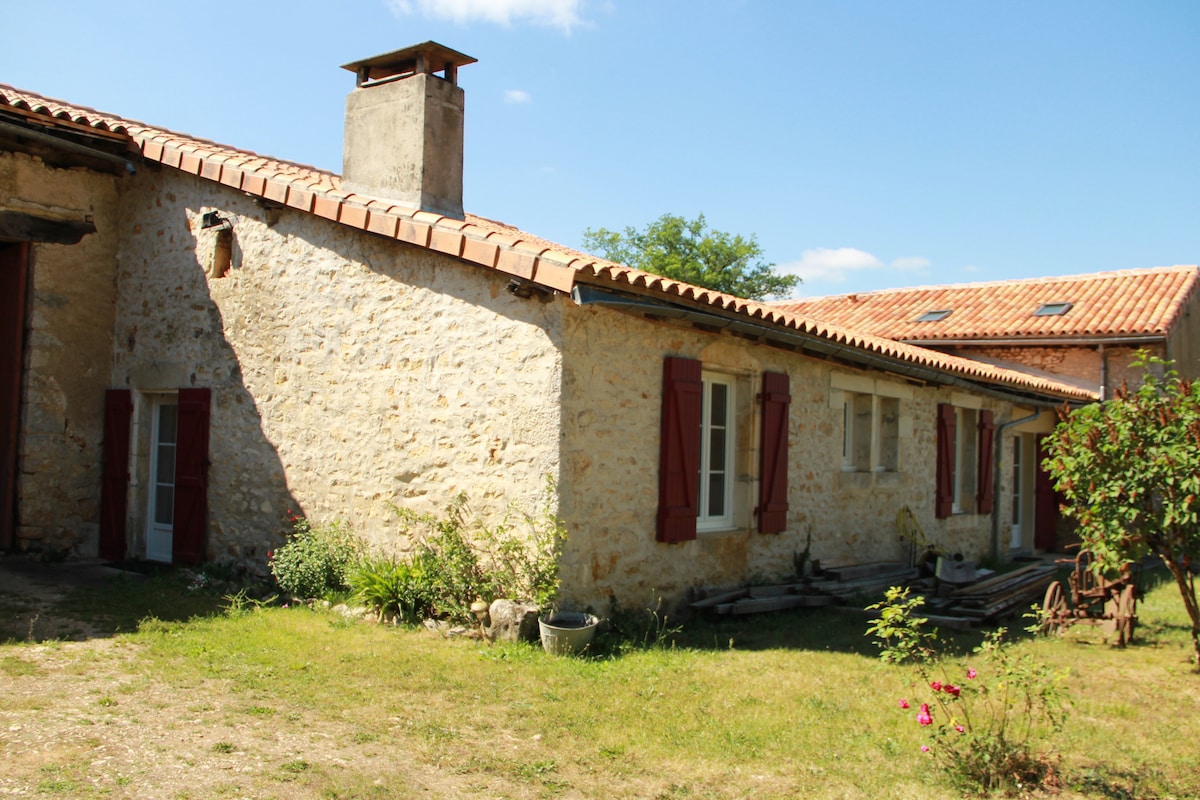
x: 793, y: 704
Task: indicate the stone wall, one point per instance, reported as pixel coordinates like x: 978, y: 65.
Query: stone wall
x: 69, y: 347
x: 612, y: 380
x: 1081, y: 362
x: 350, y: 374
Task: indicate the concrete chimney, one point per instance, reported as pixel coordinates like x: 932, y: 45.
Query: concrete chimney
x: 404, y: 128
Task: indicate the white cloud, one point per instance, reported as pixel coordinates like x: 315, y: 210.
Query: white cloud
x: 837, y: 263
x: 517, y: 97
x: 911, y: 263
x: 562, y: 14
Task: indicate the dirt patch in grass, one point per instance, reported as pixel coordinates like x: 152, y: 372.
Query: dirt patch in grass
x: 32, y: 597
x: 81, y: 719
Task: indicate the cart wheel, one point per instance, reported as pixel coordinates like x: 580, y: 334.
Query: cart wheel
x: 1126, y: 616
x: 1054, y: 609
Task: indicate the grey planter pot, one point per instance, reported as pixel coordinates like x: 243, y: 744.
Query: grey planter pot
x: 566, y: 633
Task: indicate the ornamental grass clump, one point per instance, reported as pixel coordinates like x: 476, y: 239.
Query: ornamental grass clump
x: 989, y: 728
x: 393, y: 589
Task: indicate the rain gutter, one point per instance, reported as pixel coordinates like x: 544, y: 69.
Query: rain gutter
x: 1140, y: 338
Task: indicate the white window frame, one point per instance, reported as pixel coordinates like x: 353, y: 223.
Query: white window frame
x: 159, y: 535
x: 705, y: 521
x: 882, y: 454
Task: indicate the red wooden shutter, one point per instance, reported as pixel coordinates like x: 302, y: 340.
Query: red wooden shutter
x: 985, y: 495
x: 944, y: 502
x: 679, y: 460
x: 191, y: 478
x: 773, y: 486
x: 114, y: 473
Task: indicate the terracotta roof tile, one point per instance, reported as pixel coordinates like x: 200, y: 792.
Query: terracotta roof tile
x: 1127, y: 303
x: 498, y: 246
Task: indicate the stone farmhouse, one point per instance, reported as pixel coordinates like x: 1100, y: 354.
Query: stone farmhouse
x: 1085, y: 329
x: 196, y: 339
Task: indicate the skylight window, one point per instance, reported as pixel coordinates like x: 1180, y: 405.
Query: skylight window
x: 934, y: 316
x: 1053, y: 309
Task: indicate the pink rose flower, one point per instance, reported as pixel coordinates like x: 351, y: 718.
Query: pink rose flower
x: 959, y: 728
x: 923, y: 716
x: 936, y: 686
x: 951, y: 689
x: 903, y: 703
x: 924, y: 748
x: 971, y: 673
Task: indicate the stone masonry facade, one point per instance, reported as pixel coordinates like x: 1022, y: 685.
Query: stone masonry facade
x: 611, y: 417
x: 351, y: 375
x: 68, y: 350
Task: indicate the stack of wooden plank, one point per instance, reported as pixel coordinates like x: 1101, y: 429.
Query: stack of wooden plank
x: 986, y: 599
x: 836, y: 585
x: 999, y: 595
x: 863, y: 581
x: 758, y: 599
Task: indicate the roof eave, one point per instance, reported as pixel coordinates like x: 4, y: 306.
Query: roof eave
x: 814, y: 345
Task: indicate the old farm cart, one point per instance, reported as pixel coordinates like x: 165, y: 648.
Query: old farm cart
x: 1110, y: 603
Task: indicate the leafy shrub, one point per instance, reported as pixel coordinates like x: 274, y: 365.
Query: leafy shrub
x: 984, y: 726
x: 450, y: 564
x: 316, y: 559
x: 393, y: 588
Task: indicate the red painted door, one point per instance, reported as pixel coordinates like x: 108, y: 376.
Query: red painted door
x: 14, y: 277
x: 1045, y: 505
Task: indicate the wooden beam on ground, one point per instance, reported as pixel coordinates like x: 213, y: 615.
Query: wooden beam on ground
x: 953, y: 623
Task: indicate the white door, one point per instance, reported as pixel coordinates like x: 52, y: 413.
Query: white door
x: 1018, y: 483
x: 163, y: 431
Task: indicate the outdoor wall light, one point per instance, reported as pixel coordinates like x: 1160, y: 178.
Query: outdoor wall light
x: 213, y: 219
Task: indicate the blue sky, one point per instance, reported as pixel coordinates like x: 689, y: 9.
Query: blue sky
x: 866, y: 144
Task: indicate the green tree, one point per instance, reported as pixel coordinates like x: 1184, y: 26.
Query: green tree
x: 1130, y: 471
x: 686, y: 250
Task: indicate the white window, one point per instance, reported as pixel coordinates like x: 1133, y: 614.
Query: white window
x: 870, y: 433
x: 717, y: 444
x: 161, y: 495
x: 966, y: 434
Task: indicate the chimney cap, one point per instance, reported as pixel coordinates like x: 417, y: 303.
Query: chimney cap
x: 427, y: 58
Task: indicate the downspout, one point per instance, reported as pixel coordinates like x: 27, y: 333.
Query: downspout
x: 1103, y: 374
x: 998, y: 450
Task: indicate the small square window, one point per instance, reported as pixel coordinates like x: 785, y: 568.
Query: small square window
x: 1053, y: 309
x: 934, y: 316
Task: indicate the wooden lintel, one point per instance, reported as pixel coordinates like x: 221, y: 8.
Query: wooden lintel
x: 17, y: 226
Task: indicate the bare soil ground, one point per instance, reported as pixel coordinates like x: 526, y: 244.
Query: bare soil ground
x: 81, y: 717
